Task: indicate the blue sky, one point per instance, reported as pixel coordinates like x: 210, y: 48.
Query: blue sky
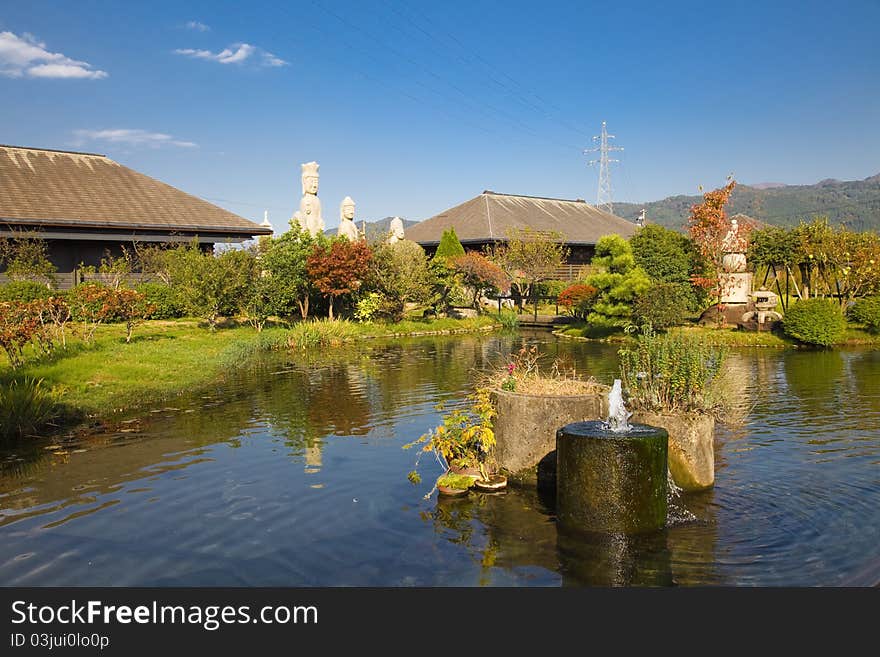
x: 413, y: 107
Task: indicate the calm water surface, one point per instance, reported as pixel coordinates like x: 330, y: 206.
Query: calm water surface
x: 292, y: 474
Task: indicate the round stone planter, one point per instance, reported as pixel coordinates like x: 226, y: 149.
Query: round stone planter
x: 611, y: 483
x: 525, y: 427
x: 691, y: 447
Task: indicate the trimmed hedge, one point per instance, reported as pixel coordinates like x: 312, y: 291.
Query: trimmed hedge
x: 867, y: 311
x: 815, y: 321
x: 25, y: 291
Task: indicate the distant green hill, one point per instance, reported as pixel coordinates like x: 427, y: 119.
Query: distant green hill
x: 375, y: 229
x: 854, y: 203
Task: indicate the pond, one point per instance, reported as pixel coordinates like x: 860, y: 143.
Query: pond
x: 291, y: 473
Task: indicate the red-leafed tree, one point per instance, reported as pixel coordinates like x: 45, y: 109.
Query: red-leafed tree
x: 128, y: 306
x: 338, y: 268
x: 708, y: 225
x: 479, y: 274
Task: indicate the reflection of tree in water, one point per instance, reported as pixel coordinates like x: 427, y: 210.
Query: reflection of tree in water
x: 815, y: 376
x: 456, y: 520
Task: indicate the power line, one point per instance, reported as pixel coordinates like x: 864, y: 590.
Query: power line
x: 476, y: 105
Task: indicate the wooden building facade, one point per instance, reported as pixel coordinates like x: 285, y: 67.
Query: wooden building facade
x: 86, y: 206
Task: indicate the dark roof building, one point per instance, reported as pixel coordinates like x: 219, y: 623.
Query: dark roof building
x: 489, y: 218
x: 86, y: 204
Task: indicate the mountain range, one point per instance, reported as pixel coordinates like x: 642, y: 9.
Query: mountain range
x: 854, y: 203
x: 375, y: 229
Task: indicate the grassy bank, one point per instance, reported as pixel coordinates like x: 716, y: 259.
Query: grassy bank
x: 720, y: 337
x: 167, y: 358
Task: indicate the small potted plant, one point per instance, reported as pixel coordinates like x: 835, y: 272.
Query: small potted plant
x: 462, y: 443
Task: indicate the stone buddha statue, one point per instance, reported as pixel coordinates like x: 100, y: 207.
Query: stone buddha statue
x: 347, y: 228
x: 395, y: 231
x: 309, y: 214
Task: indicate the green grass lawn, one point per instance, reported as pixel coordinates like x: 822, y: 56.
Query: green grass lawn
x: 166, y: 358
x: 728, y: 337
x: 163, y: 359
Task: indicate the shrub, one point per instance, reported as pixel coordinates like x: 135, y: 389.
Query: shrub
x: 367, y: 306
x: 867, y: 311
x: 162, y: 298
x: 88, y: 305
x: 18, y: 326
x: 480, y: 275
x: 663, y: 305
x: 670, y: 372
x: 449, y: 247
x: 509, y: 319
x: 25, y: 291
x: 815, y: 321
x: 578, y: 300
x: 129, y: 307
x: 25, y: 406
x: 551, y: 288
x: 400, y: 274
x: 337, y: 268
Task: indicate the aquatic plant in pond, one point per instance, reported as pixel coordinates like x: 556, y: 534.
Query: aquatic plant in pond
x: 671, y: 372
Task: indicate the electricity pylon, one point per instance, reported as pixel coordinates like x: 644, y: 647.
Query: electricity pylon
x: 603, y: 197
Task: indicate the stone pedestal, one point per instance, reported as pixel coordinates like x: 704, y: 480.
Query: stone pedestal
x: 735, y: 287
x: 691, y: 447
x: 525, y: 428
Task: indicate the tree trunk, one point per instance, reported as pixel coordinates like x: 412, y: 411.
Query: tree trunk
x: 331, y: 309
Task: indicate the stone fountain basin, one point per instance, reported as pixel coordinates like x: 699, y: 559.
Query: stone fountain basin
x: 613, y: 483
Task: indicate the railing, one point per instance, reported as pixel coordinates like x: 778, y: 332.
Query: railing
x: 523, y: 301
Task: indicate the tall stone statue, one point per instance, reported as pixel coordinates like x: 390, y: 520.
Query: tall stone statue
x: 309, y: 214
x: 736, y: 281
x: 347, y: 229
x: 395, y: 231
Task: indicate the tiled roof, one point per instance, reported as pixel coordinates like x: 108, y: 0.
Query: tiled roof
x: 490, y: 216
x: 83, y: 190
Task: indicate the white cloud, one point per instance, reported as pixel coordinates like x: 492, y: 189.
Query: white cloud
x: 237, y: 53
x: 130, y: 137
x: 196, y: 26
x: 24, y: 55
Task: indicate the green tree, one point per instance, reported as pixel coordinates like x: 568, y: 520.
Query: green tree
x: 618, y: 285
x: 26, y: 258
x: 211, y: 285
x: 529, y: 257
x: 449, y: 247
x: 284, y: 259
x: 667, y: 256
x: 399, y: 273
x: 445, y: 280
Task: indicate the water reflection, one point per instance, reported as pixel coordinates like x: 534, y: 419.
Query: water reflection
x: 291, y: 473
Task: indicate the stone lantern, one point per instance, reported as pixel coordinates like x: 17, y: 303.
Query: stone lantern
x: 764, y: 315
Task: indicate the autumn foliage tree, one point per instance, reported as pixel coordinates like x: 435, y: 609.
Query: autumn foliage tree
x: 479, y: 274
x: 708, y: 225
x: 338, y: 268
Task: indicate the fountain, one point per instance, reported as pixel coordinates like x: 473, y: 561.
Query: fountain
x: 611, y: 476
